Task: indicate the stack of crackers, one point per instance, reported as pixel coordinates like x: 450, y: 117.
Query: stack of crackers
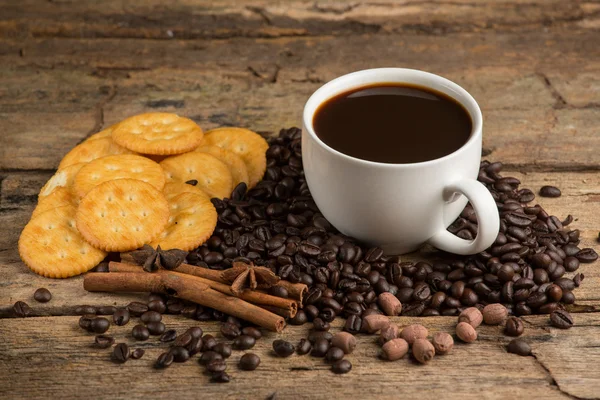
x: 146, y: 180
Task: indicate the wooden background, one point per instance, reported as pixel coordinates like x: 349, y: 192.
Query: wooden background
x: 68, y: 68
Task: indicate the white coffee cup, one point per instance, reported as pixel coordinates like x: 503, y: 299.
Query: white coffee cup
x: 399, y: 207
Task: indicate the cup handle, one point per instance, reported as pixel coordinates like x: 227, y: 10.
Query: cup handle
x: 487, y: 218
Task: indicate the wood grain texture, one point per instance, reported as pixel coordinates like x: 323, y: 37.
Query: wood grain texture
x: 51, y: 357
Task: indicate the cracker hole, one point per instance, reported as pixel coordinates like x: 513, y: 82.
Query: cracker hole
x: 109, y: 198
x: 115, y: 229
x: 50, y: 227
x: 144, y: 213
x: 102, y: 214
x: 123, y: 214
x: 138, y: 228
x: 83, y: 251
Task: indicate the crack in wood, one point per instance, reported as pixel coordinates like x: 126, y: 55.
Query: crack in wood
x: 99, y: 111
x: 553, y: 382
x: 560, y: 101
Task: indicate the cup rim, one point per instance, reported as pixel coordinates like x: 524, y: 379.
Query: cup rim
x: 469, y: 104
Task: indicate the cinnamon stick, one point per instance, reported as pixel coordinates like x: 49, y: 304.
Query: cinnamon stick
x: 289, y: 307
x: 296, y: 291
x: 186, y: 287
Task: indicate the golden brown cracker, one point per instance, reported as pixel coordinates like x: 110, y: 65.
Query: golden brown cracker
x: 62, y: 178
x: 61, y: 196
x: 192, y: 221
x: 250, y: 146
x: 122, y: 215
x: 236, y: 165
x: 90, y: 150
x: 174, y: 189
x: 122, y: 166
x: 213, y: 175
x: 158, y: 133
x: 106, y: 133
x: 50, y: 245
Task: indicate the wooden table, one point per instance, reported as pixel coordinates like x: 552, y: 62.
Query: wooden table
x: 69, y: 68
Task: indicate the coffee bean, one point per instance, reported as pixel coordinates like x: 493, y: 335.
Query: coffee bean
x: 208, y: 356
x: 121, y: 353
x: 561, y: 319
x: 300, y: 318
x: 252, y: 331
x: 106, y: 310
x: 136, y: 308
x: 334, y: 354
x: 121, y: 316
x: 442, y: 342
x: 209, y: 342
x: 220, y: 377
x: 519, y: 347
x: 230, y: 331
x: 279, y: 291
x: 423, y: 351
x: 283, y: 348
x: 224, y: 349
x: 42, y: 295
x: 320, y: 325
x: 341, y: 367
x: 216, y: 365
x: 353, y: 324
x: 303, y: 347
x: 195, y: 332
x: 156, y: 328
x: 157, y: 305
x: 84, y: 310
x: 21, y: 309
x: 465, y: 332
x: 243, y: 342
x: 587, y: 255
x: 86, y: 321
x: 169, y: 336
x: 180, y: 354
x: 249, y: 362
x: 550, y: 191
x: 140, y: 332
x: 514, y: 327
x: 103, y: 341
x: 320, y: 348
x: 164, y: 360
x: 137, y: 354
x: 99, y: 325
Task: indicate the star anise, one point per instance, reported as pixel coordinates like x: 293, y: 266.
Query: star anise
x: 152, y: 259
x: 244, y: 276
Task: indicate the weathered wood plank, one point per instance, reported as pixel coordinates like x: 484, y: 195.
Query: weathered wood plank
x: 51, y: 357
x: 581, y: 195
x: 260, y: 18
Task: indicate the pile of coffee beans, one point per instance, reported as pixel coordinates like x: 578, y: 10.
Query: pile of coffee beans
x: 278, y: 225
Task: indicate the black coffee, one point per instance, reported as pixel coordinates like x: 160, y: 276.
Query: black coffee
x: 393, y: 123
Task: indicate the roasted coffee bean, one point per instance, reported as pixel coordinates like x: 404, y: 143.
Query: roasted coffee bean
x: 150, y: 316
x: 81, y: 310
x: 252, y: 331
x: 103, y: 341
x: 137, y: 354
x: 313, y: 335
x: 216, y: 365
x: 243, y: 342
x: 140, y: 332
x: 224, y: 349
x: 279, y: 291
x: 341, y: 367
x: 157, y: 305
x: 320, y: 325
x: 169, y: 336
x: 230, y: 331
x: 106, y: 310
x: 353, y: 324
x: 195, y: 332
x: 249, y: 362
x: 121, y: 317
x: 156, y: 328
x: 587, y: 255
x: 519, y: 347
x: 537, y: 299
x: 208, y: 356
x: 121, y: 353
x: 42, y: 295
x: 320, y: 348
x: 164, y: 360
x: 136, y: 308
x: 220, y: 377
x: 21, y: 310
x: 561, y: 319
x: 550, y: 191
x: 209, y: 342
x: 300, y: 317
x: 99, y: 325
x: 180, y: 354
x: 514, y: 326
x: 283, y: 348
x: 334, y: 354
x: 85, y: 321
x: 303, y: 347
x: 183, y: 340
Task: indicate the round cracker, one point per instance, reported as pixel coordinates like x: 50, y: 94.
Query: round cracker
x: 174, y: 189
x: 122, y: 166
x: 106, y: 133
x: 50, y: 245
x: 122, y: 215
x: 213, y: 175
x: 193, y: 220
x: 236, y: 165
x: 92, y: 149
x: 59, y: 197
x: 62, y: 178
x: 158, y: 133
x: 250, y: 146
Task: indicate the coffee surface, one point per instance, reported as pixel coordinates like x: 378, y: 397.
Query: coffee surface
x: 393, y: 123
